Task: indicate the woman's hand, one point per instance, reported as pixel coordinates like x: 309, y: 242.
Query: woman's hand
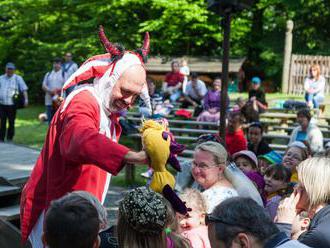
x: 136, y: 157
x: 286, y: 211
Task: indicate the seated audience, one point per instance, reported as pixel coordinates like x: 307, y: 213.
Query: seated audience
x: 192, y: 226
x: 194, y: 94
x: 268, y: 159
x: 235, y: 138
x: 313, y: 196
x: 155, y: 100
x: 212, y: 103
x: 172, y: 86
x: 184, y: 179
x: 256, y: 143
x: 142, y: 219
x: 300, y: 225
x: 314, y: 86
x: 71, y: 221
x: 248, y: 163
x: 173, y: 238
x: 307, y: 131
x: 257, y: 96
x: 294, y: 155
x: 277, y: 179
x: 185, y: 71
x: 209, y: 163
x: 241, y: 222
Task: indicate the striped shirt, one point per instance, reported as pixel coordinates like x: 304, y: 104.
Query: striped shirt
x: 9, y: 86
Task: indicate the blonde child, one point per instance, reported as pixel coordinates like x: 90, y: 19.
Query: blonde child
x: 192, y: 226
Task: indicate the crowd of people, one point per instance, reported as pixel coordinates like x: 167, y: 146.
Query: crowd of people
x: 14, y: 93
x: 237, y: 193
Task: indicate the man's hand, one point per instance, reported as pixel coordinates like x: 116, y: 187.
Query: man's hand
x: 136, y: 157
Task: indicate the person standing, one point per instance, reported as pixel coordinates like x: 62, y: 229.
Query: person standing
x: 81, y: 150
x: 69, y: 66
x: 10, y: 84
x: 52, y: 85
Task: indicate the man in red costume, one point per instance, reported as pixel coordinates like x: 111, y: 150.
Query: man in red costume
x: 81, y: 150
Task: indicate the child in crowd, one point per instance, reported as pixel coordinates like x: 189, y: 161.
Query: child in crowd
x: 192, y: 226
x: 296, y: 152
x: 185, y: 71
x: 300, y: 225
x: 266, y: 160
x: 248, y: 163
x: 277, y: 179
x: 142, y: 219
x: 256, y: 143
x: 71, y: 221
x: 235, y: 138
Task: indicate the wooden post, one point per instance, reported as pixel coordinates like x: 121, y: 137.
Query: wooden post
x: 287, y: 56
x: 224, y: 78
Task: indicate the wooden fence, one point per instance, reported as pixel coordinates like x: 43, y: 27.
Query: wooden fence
x: 299, y: 70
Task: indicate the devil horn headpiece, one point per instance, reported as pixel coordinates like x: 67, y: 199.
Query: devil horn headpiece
x: 146, y: 45
x: 111, y: 48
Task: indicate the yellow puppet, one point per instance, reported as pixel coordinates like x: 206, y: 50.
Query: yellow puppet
x: 161, y: 148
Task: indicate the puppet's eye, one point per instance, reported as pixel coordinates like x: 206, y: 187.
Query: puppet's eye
x: 165, y: 135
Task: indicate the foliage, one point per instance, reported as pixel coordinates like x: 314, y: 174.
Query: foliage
x: 33, y: 32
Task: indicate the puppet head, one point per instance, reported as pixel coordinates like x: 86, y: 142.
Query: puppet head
x: 161, y: 148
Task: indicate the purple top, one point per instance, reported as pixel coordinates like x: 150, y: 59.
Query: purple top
x: 212, y: 100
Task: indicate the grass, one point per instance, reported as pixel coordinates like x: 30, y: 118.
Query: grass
x: 30, y: 132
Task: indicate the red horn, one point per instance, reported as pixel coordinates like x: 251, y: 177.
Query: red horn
x: 146, y: 44
x: 107, y: 44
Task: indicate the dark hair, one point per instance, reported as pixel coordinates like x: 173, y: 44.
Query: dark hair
x: 57, y: 60
x: 306, y: 113
x: 194, y: 75
x: 257, y: 125
x: 233, y: 114
x: 71, y: 221
x: 175, y: 62
x: 239, y: 214
x: 278, y: 172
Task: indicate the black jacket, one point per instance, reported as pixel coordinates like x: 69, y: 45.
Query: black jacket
x: 318, y: 234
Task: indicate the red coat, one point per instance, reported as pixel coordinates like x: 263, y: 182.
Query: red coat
x: 75, y: 156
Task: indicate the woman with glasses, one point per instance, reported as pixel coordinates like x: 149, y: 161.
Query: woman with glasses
x: 208, y: 168
x: 296, y: 153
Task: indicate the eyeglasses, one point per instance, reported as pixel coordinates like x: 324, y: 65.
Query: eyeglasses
x: 203, y: 166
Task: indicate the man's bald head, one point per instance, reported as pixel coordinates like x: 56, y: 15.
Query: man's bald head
x: 127, y: 88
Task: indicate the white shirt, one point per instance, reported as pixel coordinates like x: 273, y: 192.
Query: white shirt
x: 317, y: 85
x: 9, y: 86
x: 217, y: 194
x: 52, y: 80
x: 199, y: 92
